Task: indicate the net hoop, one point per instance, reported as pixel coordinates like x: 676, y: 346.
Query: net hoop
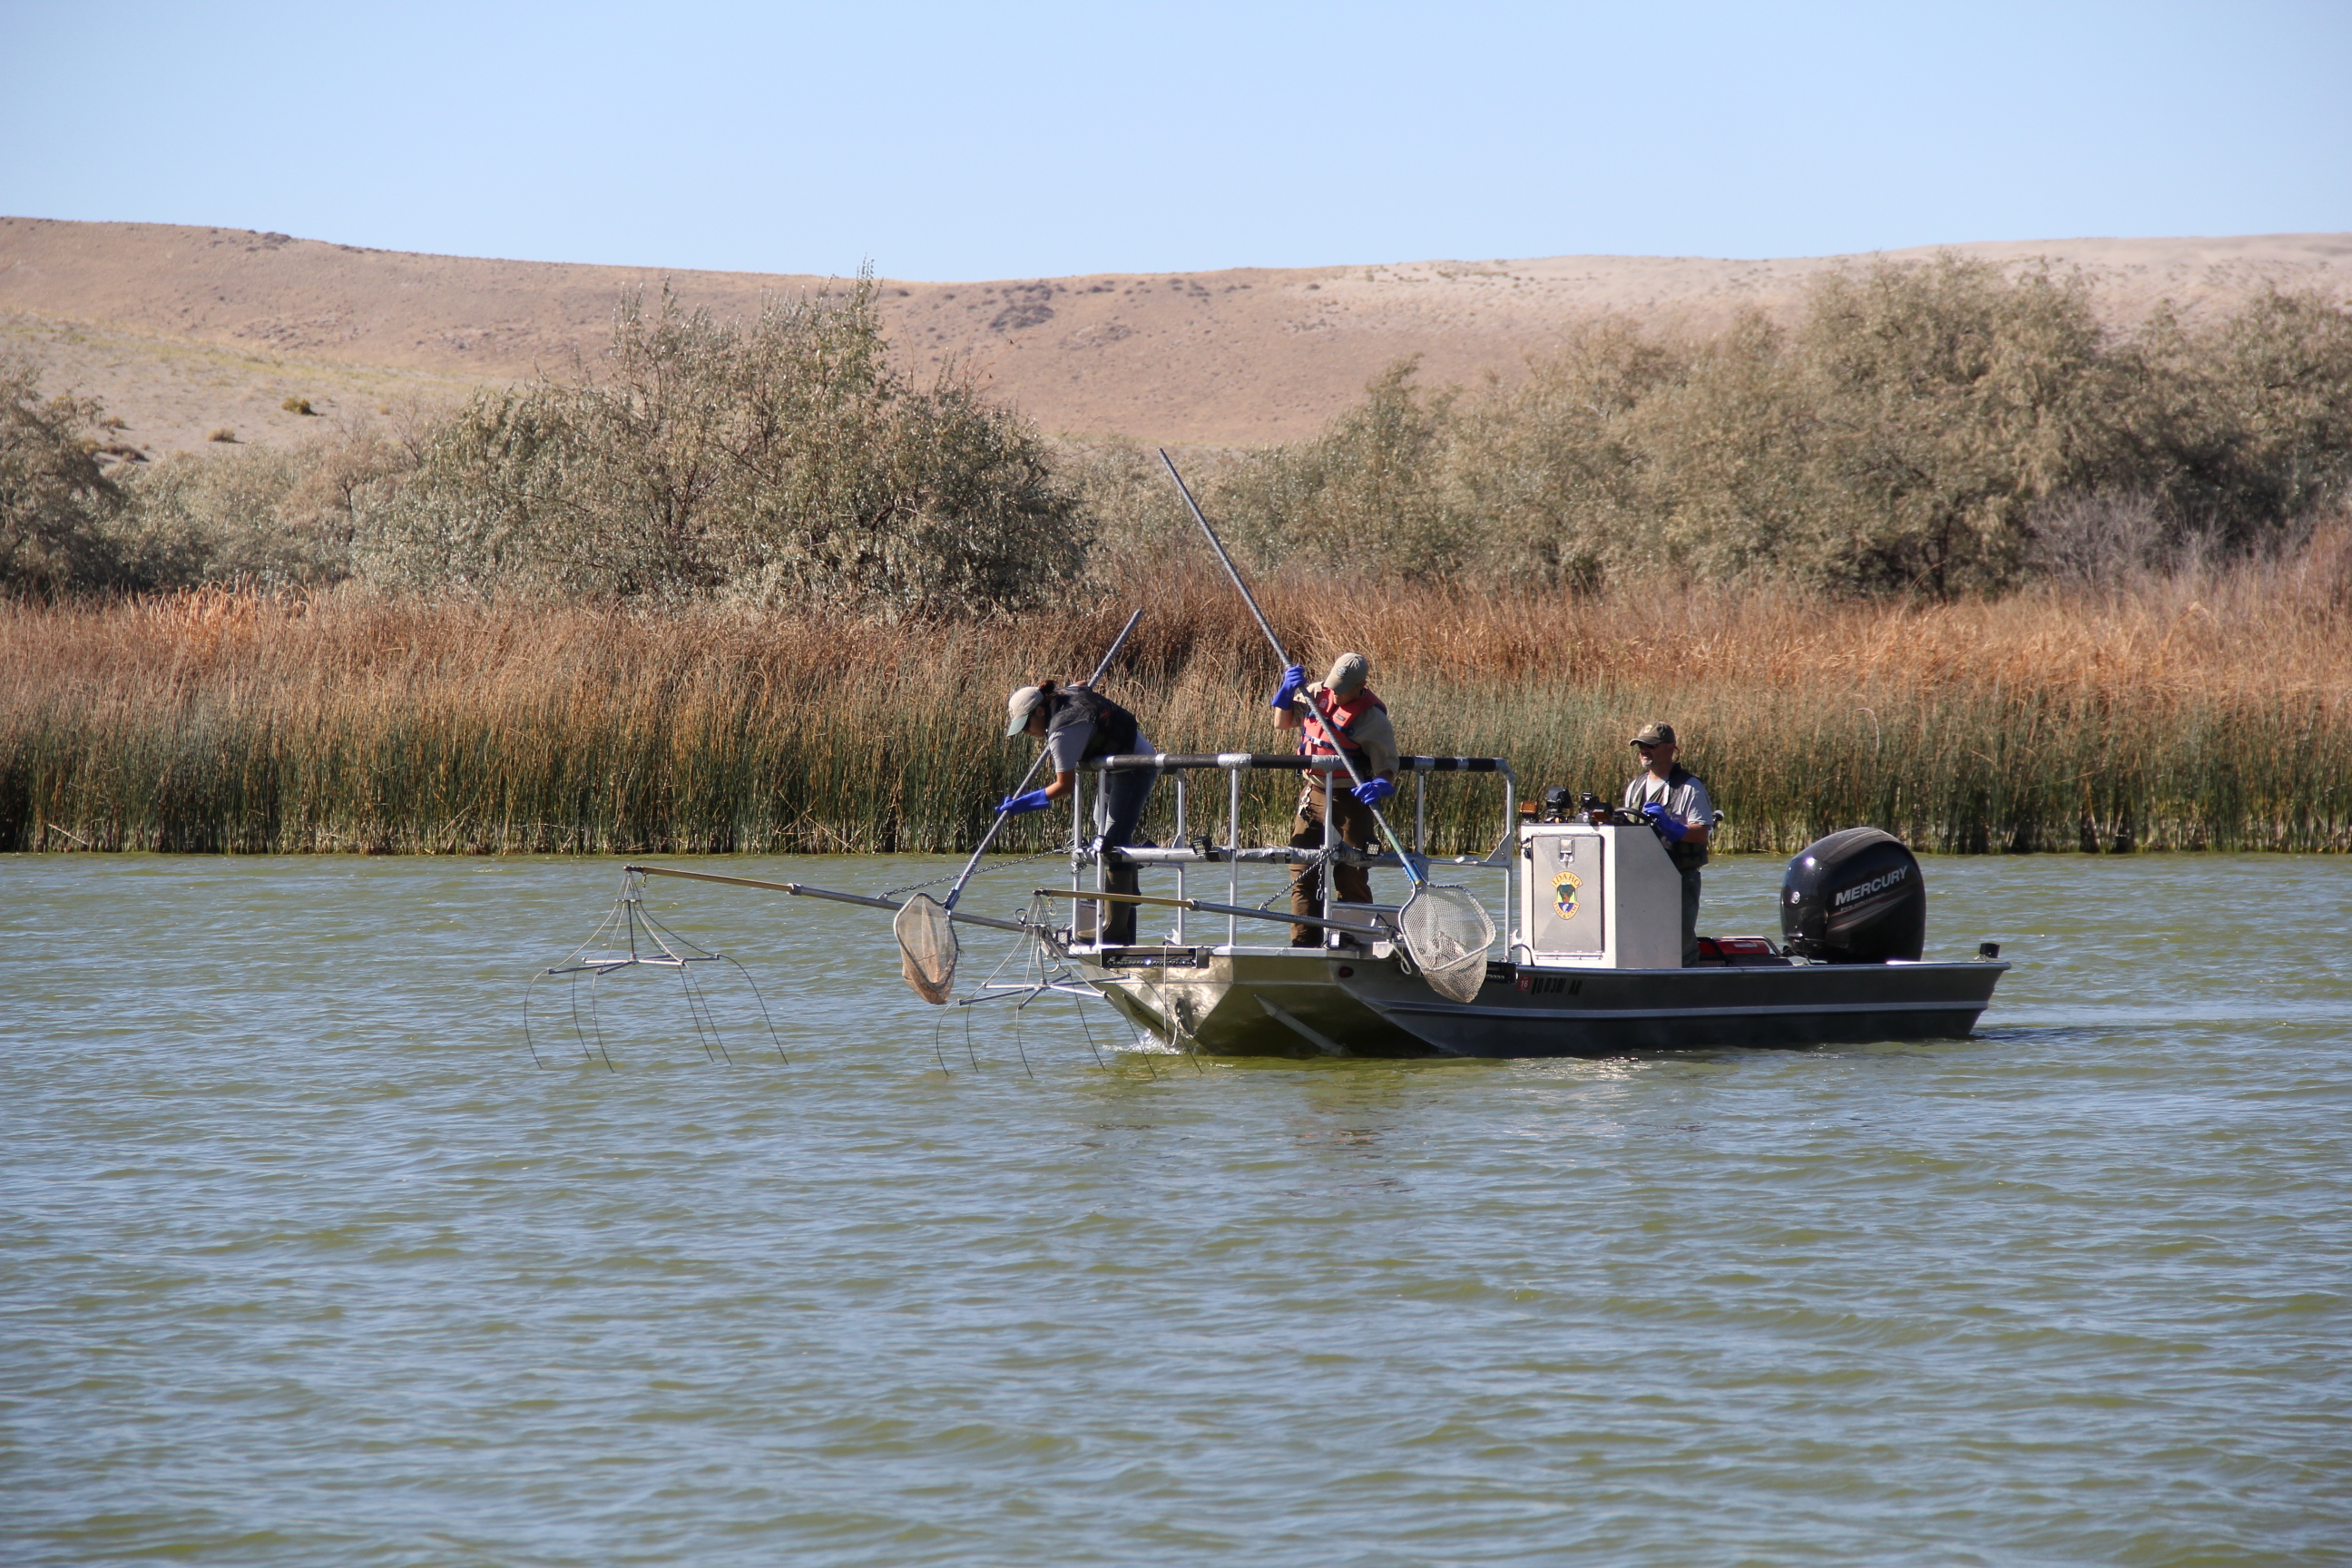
x: 927, y: 948
x: 1446, y: 932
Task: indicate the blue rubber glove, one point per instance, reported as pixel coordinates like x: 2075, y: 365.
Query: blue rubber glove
x: 1673, y: 827
x: 1294, y: 681
x: 1371, y: 792
x: 1014, y: 804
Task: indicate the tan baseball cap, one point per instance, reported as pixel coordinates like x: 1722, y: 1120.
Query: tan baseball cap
x: 1351, y: 673
x: 1656, y: 734
x: 1018, y: 707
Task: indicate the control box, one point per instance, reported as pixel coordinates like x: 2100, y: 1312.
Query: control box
x: 1597, y: 897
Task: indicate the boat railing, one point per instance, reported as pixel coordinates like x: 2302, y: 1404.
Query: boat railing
x: 1333, y: 851
x: 1284, y: 761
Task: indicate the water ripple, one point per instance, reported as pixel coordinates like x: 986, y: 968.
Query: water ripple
x: 308, y: 1262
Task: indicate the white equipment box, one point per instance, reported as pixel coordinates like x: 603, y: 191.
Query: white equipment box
x: 1599, y: 898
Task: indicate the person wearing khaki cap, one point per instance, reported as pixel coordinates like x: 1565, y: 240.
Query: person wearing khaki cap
x: 1339, y: 712
x: 1675, y: 801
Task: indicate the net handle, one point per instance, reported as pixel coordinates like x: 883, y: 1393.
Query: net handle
x: 804, y: 891
x: 1411, y: 871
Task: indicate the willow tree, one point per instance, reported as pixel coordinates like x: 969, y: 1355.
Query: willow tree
x: 783, y: 459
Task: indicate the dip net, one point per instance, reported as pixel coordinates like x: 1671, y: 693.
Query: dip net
x: 927, y: 948
x: 1446, y: 931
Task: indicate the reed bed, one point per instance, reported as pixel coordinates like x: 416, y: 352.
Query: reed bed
x: 2201, y: 710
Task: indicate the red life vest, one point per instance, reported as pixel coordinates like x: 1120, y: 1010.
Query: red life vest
x: 1314, y: 733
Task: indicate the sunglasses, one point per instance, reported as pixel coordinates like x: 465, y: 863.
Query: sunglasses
x: 1650, y: 745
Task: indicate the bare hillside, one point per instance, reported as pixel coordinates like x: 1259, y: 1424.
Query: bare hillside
x: 184, y: 330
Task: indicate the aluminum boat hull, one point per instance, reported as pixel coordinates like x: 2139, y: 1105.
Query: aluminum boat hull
x: 1306, y: 1002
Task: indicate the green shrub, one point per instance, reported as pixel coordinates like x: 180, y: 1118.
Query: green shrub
x: 1898, y: 438
x: 261, y: 517
x: 55, y: 504
x: 1939, y: 428
x: 2244, y: 428
x: 780, y: 461
x: 1369, y: 494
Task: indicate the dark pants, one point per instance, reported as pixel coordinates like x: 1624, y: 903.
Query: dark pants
x: 1353, y: 884
x: 1690, y: 917
x: 1119, y: 807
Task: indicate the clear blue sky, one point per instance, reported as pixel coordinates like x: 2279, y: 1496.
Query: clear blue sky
x: 1027, y: 139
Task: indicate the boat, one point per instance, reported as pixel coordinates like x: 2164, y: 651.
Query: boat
x: 1587, y: 960
x: 1589, y: 955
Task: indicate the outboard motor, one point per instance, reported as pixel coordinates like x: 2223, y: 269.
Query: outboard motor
x: 1856, y: 897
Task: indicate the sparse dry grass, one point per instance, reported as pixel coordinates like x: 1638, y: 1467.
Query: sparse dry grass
x: 2209, y: 710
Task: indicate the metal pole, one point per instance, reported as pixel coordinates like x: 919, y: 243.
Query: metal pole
x: 1330, y: 871
x: 1180, y: 865
x: 1412, y: 872
x: 1232, y: 910
x: 802, y: 890
x: 1077, y: 848
x: 1218, y: 546
x: 1234, y: 851
x: 1510, y: 862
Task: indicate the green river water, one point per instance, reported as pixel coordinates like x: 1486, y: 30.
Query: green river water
x: 307, y: 1263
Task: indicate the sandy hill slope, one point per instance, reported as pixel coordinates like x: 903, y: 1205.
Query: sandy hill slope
x: 183, y: 330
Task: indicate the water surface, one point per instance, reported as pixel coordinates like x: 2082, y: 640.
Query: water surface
x: 307, y: 1262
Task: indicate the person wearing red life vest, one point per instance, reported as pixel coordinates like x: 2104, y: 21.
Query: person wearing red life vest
x: 1340, y: 711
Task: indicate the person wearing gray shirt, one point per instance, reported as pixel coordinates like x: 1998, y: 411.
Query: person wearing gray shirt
x: 1675, y: 801
x: 1077, y: 725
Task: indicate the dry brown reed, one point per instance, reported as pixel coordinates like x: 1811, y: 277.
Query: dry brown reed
x: 2208, y: 709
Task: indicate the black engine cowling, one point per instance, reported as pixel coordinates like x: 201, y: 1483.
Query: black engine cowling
x: 1856, y: 897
